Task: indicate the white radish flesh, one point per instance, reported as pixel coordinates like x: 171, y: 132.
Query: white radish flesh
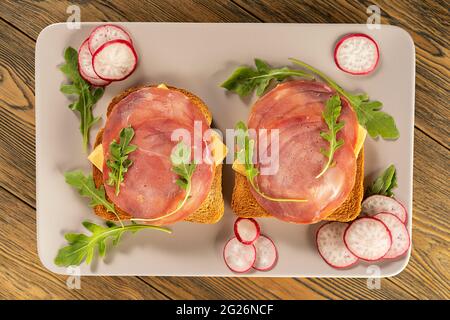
x: 239, y: 257
x: 368, y: 239
x: 85, y: 66
x: 377, y: 203
x: 246, y: 230
x: 356, y: 54
x: 331, y: 246
x: 400, y: 235
x: 105, y: 33
x: 266, y: 254
x: 115, y: 60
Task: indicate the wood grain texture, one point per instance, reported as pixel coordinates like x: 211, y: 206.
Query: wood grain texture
x: 426, y: 22
x: 22, y: 276
x: 44, y: 13
x: 17, y: 142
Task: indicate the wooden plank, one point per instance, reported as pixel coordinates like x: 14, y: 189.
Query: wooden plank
x: 235, y: 288
x: 40, y: 14
x: 23, y: 277
x: 429, y: 263
x: 422, y: 19
x: 17, y: 114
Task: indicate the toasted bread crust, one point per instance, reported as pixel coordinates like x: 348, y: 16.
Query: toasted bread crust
x: 212, y: 208
x: 245, y: 205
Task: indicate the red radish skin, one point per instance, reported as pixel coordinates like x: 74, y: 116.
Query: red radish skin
x: 266, y: 254
x: 328, y: 250
x: 400, y: 236
x: 85, y: 66
x: 100, y: 55
x: 246, y: 230
x: 96, y: 82
x: 377, y: 203
x: 105, y: 33
x: 239, y: 257
x: 346, y: 39
x: 360, y: 246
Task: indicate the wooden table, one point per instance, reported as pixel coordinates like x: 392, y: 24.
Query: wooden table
x: 21, y: 274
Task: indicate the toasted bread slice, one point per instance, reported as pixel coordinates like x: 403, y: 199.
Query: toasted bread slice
x: 245, y: 205
x: 212, y: 208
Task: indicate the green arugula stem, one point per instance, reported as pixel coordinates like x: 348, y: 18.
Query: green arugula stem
x: 87, y: 95
x: 180, y: 205
x: 82, y: 247
x: 330, y: 115
x: 180, y: 154
x: 245, y: 79
x: 262, y: 194
x: 135, y: 227
x: 246, y: 145
x: 376, y: 122
x: 119, y: 161
x: 86, y: 187
x: 329, y: 162
x: 84, y: 129
x: 283, y: 73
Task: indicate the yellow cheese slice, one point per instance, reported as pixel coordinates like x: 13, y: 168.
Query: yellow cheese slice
x: 240, y: 168
x: 162, y: 86
x: 360, y: 140
x: 218, y: 150
x: 96, y: 157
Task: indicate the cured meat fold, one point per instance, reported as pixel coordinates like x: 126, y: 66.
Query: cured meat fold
x: 295, y: 109
x: 149, y: 189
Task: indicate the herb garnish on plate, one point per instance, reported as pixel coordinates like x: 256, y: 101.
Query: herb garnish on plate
x: 118, y: 163
x: 244, y: 155
x: 184, y: 168
x: 331, y: 114
x: 86, y: 187
x: 246, y: 79
x: 82, y: 247
x: 376, y: 122
x: 384, y: 184
x: 87, y: 95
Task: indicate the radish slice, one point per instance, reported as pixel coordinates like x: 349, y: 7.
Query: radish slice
x: 400, y: 235
x: 105, y: 33
x: 85, y: 66
x: 239, y: 257
x: 331, y: 246
x: 266, y: 254
x: 377, y: 203
x: 356, y: 54
x: 115, y: 60
x: 246, y: 230
x: 368, y: 239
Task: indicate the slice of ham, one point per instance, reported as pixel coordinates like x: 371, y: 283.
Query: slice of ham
x: 295, y: 108
x: 149, y: 190
x: 300, y: 98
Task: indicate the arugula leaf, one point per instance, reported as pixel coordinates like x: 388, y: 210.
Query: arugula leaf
x: 181, y: 157
x: 119, y: 162
x: 244, y: 154
x: 184, y: 168
x: 246, y: 79
x: 87, y: 95
x: 377, y: 123
x: 86, y: 187
x: 384, y: 184
x: 82, y: 247
x: 330, y: 115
